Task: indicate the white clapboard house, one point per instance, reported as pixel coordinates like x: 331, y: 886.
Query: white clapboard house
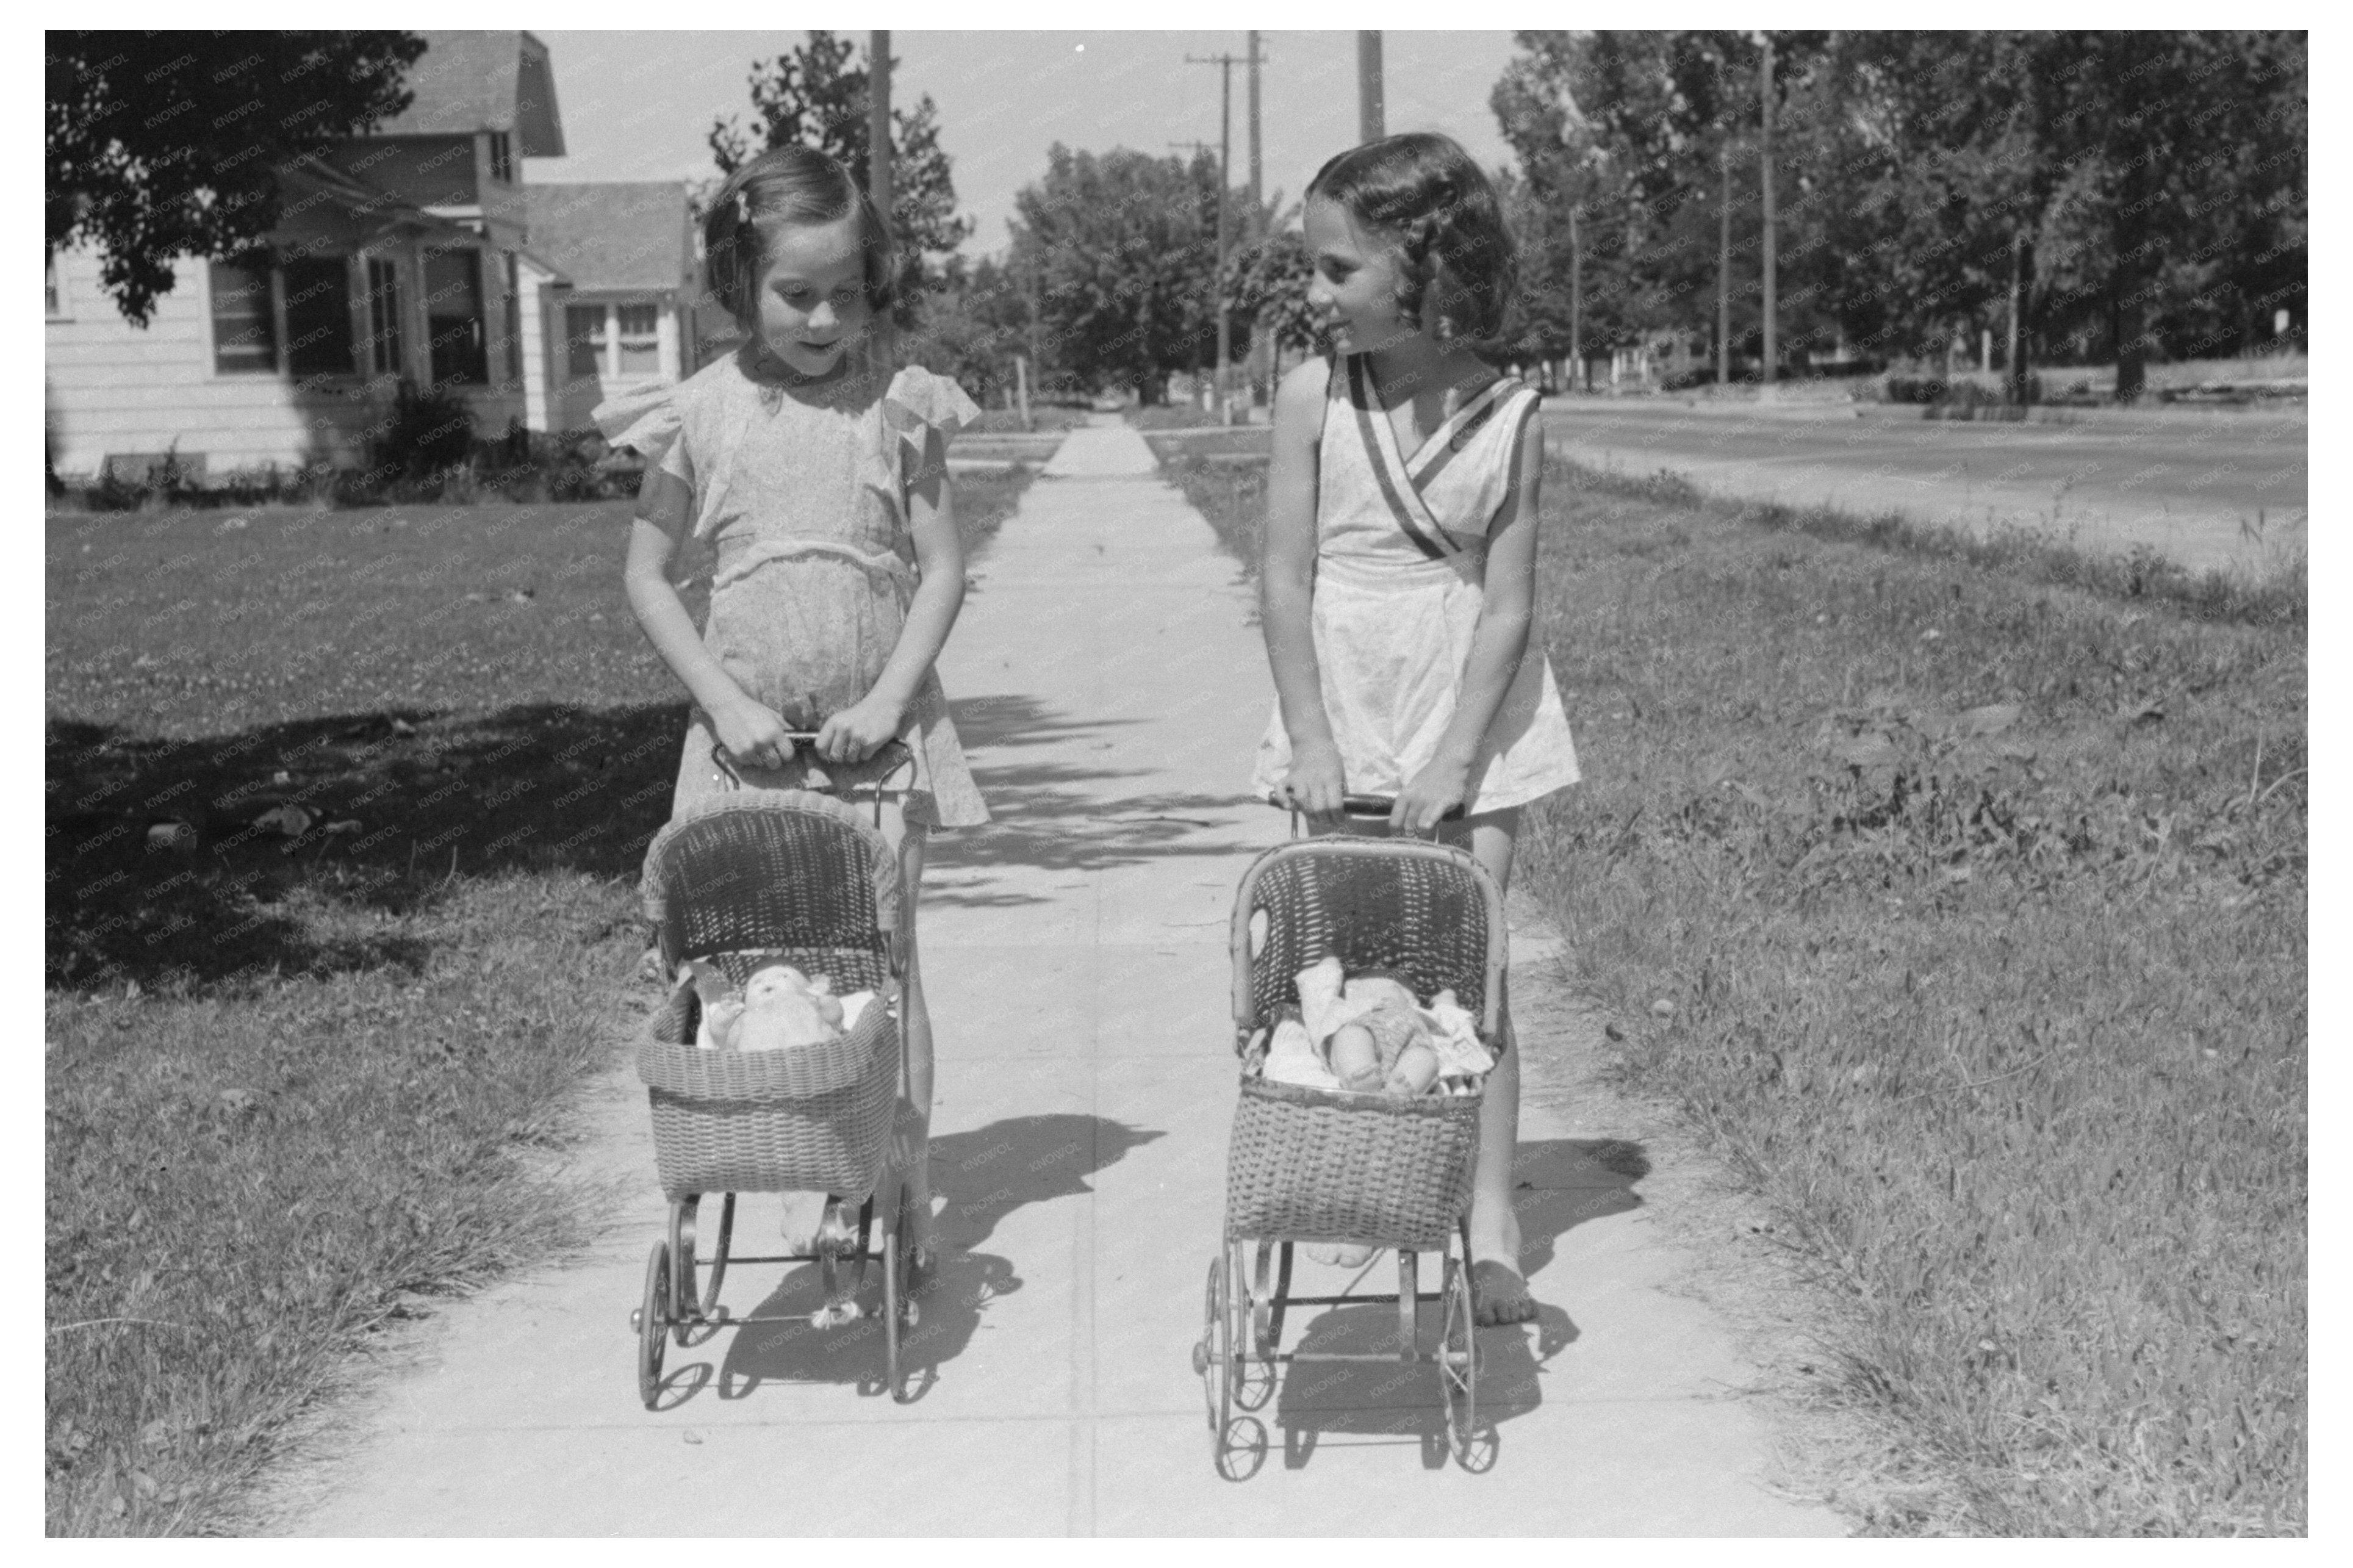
x: 414, y: 255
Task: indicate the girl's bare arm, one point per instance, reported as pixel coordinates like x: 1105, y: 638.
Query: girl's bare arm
x: 749, y: 731
x: 1497, y: 644
x: 1286, y: 588
x: 855, y: 732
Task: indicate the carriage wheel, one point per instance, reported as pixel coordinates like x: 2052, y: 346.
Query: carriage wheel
x: 651, y: 1320
x: 1263, y: 1328
x: 899, y: 1309
x: 1458, y: 1370
x: 1213, y: 1358
x: 685, y: 1311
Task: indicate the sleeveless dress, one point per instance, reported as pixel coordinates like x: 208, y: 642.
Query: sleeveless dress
x: 801, y: 494
x: 1401, y: 567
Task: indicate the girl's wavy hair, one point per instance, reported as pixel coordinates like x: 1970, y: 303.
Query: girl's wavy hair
x: 1442, y: 209
x: 783, y: 186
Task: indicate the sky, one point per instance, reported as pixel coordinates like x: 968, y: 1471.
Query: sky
x: 639, y: 105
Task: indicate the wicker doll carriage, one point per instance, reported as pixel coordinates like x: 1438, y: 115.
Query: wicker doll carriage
x: 744, y: 879
x: 1314, y: 1165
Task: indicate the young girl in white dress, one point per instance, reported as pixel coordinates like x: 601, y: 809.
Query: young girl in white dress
x: 1398, y: 579
x: 819, y: 478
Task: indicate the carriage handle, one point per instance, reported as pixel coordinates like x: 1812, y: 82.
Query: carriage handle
x: 903, y: 758
x: 1362, y: 809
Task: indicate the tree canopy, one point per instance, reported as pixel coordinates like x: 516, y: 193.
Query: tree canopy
x: 1123, y: 249
x: 2142, y: 191
x: 168, y: 143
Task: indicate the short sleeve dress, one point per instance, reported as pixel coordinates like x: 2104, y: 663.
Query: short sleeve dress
x: 800, y: 491
x: 1400, y: 574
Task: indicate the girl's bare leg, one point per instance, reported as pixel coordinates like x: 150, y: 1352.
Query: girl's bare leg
x: 1500, y: 1291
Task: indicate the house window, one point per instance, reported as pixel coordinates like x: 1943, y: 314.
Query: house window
x: 453, y: 317
x: 513, y: 313
x: 583, y: 330
x: 384, y: 317
x: 318, y: 316
x: 53, y: 292
x: 640, y: 340
x: 502, y: 158
x: 245, y: 326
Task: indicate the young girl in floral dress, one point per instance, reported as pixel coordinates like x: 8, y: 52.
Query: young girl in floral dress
x: 819, y: 479
x: 1399, y: 582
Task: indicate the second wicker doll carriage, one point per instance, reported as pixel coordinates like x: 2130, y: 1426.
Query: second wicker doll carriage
x: 1311, y: 1165
x: 743, y: 879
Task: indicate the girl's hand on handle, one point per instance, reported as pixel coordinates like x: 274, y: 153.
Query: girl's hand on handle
x: 754, y: 736
x: 1317, y: 781
x: 859, y: 731
x: 1428, y: 795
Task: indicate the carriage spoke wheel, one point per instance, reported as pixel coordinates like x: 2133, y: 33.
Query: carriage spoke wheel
x: 1262, y: 1325
x: 1458, y: 1371
x: 685, y: 1310
x: 653, y: 1311
x: 900, y: 1311
x: 1213, y: 1358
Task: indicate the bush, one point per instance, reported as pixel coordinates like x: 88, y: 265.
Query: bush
x: 429, y: 432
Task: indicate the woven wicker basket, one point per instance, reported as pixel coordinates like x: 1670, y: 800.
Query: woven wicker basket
x: 1324, y: 1165
x: 1313, y: 1165
x: 814, y: 1119
x: 743, y: 879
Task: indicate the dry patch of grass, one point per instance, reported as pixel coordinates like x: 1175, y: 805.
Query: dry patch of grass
x: 1965, y: 911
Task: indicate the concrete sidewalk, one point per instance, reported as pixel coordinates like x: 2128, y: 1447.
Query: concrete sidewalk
x: 1110, y: 687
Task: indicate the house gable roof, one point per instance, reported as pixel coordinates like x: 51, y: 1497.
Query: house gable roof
x: 630, y: 234
x: 469, y: 81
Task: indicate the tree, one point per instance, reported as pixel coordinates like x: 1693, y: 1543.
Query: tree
x: 2133, y: 193
x: 973, y: 327
x: 1124, y: 250
x: 1266, y: 290
x: 166, y: 144
x: 816, y: 95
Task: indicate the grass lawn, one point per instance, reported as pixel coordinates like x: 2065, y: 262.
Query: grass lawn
x: 1966, y: 910
x: 296, y: 1080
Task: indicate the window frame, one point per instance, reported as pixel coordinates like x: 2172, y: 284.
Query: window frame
x: 479, y: 358
x: 601, y: 339
x: 272, y: 315
x: 348, y: 369
x: 387, y: 334
x: 55, y: 304
x: 649, y: 339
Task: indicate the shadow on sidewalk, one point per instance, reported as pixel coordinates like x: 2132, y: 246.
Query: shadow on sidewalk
x: 986, y: 1174
x: 1560, y: 1184
x: 1055, y: 814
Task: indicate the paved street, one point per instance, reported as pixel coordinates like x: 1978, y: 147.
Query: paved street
x: 2207, y: 490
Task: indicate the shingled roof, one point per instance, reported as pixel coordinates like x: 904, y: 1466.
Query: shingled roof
x: 628, y: 234
x: 468, y: 81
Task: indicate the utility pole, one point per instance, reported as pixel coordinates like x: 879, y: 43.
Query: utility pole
x: 1724, y: 272
x: 1370, y: 114
x: 1576, y: 304
x: 1261, y: 350
x: 1225, y: 64
x: 878, y: 138
x: 1258, y: 195
x: 1765, y: 84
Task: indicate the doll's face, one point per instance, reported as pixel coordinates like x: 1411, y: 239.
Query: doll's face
x: 1354, y: 289
x: 813, y: 306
